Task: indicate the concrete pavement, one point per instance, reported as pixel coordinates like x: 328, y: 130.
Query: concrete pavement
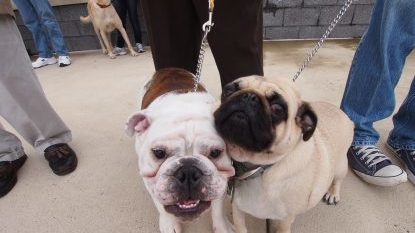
x: 105, y: 194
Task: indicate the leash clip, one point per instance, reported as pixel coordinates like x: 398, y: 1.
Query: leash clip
x: 208, y: 24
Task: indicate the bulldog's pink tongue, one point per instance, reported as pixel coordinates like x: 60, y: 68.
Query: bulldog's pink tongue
x: 188, y: 204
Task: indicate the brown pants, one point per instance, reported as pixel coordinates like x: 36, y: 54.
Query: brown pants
x: 175, y: 33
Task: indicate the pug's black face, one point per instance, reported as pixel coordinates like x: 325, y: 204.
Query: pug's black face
x: 248, y: 118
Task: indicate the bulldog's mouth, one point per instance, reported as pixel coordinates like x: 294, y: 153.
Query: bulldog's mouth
x: 188, y: 209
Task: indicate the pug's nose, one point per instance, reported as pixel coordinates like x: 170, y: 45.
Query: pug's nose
x: 188, y: 175
x: 250, y: 98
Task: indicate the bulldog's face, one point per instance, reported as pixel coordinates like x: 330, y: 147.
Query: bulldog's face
x: 262, y: 119
x: 182, y: 159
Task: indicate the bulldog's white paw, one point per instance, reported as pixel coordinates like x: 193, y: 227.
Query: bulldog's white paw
x: 223, y: 227
x: 169, y: 224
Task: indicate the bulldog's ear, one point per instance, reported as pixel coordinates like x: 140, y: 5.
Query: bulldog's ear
x: 137, y: 122
x: 306, y: 119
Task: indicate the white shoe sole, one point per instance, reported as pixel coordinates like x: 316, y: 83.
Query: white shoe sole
x: 383, y: 181
x: 46, y: 64
x: 411, y: 176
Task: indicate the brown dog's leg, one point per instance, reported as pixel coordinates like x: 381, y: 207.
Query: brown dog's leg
x: 104, y: 49
x: 107, y: 44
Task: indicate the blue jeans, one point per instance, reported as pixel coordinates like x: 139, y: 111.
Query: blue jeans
x: 375, y: 71
x: 39, y: 18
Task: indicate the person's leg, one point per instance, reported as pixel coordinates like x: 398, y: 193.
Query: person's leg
x: 133, y: 16
x: 12, y: 157
x: 24, y: 105
x: 48, y: 19
x: 236, y: 38
x: 31, y: 20
x: 369, y: 93
x: 22, y: 101
x: 121, y: 8
x: 10, y: 146
x: 174, y: 31
x: 401, y: 139
x: 377, y: 66
x: 403, y: 133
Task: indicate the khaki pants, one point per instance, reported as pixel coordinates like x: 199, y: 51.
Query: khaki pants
x: 22, y: 101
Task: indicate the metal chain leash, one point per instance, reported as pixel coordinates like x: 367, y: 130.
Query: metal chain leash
x: 323, y: 38
x: 206, y: 28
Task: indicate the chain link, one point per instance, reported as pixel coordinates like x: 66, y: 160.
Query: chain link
x: 206, y: 28
x: 323, y: 38
x: 200, y: 59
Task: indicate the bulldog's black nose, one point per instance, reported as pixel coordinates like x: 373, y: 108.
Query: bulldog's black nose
x: 250, y: 98
x: 188, y: 175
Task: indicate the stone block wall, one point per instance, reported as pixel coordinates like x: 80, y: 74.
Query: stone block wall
x: 283, y: 19
x: 309, y: 19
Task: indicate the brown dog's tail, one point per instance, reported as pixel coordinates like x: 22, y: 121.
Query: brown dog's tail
x: 86, y: 19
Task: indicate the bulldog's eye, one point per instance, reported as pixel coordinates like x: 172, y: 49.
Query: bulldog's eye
x: 215, y: 153
x: 159, y: 153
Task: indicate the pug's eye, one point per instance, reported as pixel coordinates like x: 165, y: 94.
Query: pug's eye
x: 276, y: 109
x: 215, y: 153
x: 228, y: 90
x: 159, y: 153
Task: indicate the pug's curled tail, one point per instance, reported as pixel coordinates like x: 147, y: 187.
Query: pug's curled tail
x: 86, y: 19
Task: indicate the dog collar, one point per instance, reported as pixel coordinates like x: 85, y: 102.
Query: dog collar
x: 103, y: 6
x: 244, y: 171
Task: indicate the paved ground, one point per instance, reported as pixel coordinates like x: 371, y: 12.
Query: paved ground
x: 105, y: 194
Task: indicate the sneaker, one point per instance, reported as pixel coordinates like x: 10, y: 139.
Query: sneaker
x: 64, y: 61
x: 119, y: 51
x: 370, y: 164
x: 140, y: 48
x: 407, y: 157
x: 43, y: 61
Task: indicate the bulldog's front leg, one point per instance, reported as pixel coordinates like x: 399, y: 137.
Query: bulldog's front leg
x: 221, y: 224
x: 167, y: 222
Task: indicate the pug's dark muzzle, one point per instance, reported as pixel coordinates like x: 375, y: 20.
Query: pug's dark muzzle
x: 244, y: 119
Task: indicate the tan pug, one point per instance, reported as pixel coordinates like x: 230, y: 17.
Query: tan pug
x: 287, y: 153
x: 181, y: 157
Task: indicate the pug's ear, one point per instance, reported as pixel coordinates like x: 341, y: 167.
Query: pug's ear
x: 137, y: 123
x: 306, y: 119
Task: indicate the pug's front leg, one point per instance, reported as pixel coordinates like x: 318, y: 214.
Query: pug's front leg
x: 239, y: 219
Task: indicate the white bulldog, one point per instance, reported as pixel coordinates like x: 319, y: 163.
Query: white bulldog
x: 181, y: 158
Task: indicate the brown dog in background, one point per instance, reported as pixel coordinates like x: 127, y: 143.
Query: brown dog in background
x: 105, y: 19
